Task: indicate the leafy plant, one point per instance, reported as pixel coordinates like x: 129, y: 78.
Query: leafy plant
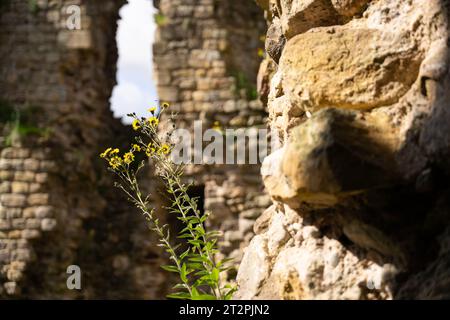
x: 242, y: 83
x: 19, y: 123
x: 33, y: 6
x: 195, y: 260
x: 160, y: 19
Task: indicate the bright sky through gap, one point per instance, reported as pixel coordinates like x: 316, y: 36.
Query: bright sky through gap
x: 135, y: 91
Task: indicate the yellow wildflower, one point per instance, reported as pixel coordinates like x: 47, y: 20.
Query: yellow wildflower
x: 216, y: 126
x: 115, y: 162
x: 153, y: 121
x: 261, y: 53
x: 105, y: 154
x: 136, y: 124
x: 149, y: 151
x: 128, y: 157
x: 165, y: 105
x: 136, y: 148
x: 165, y: 148
x: 113, y: 152
x: 152, y: 109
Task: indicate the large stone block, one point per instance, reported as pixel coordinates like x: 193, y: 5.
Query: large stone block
x: 13, y: 200
x: 343, y: 68
x: 333, y: 154
x: 300, y: 16
x: 349, y: 8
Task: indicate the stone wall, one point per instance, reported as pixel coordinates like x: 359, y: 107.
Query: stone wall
x: 358, y: 92
x: 25, y: 210
x: 57, y: 203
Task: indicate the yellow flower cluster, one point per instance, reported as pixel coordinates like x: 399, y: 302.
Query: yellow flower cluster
x: 109, y: 153
x: 165, y: 149
x: 149, y: 150
x: 114, y: 160
x: 136, y: 124
x: 136, y: 148
x: 105, y: 154
x: 128, y: 157
x: 112, y: 155
x: 153, y: 121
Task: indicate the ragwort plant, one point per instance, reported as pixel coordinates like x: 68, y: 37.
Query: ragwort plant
x: 194, y: 258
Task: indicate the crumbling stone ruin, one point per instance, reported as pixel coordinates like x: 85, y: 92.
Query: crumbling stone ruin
x: 57, y: 203
x: 355, y: 205
x: 57, y: 206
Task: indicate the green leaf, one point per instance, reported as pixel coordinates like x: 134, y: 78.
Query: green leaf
x: 215, y: 274
x: 179, y: 295
x: 195, y: 242
x: 204, y: 297
x: 195, y: 258
x: 185, y: 254
x: 180, y: 286
x: 170, y: 268
x: 195, y: 293
x: 185, y: 236
x: 195, y: 266
x: 183, y: 273
x: 200, y: 230
x: 229, y: 294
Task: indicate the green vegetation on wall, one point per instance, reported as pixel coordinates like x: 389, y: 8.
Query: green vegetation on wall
x: 160, y: 19
x: 33, y: 6
x: 242, y: 83
x: 16, y: 124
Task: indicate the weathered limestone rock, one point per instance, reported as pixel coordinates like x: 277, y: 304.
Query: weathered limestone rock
x: 305, y: 264
x: 326, y: 157
x: 360, y: 102
x: 349, y: 8
x: 275, y: 41
x: 334, y: 67
x: 300, y: 16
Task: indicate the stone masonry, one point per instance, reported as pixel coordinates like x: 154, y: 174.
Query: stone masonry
x: 57, y: 203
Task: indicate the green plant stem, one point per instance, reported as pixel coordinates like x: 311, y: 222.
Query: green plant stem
x: 193, y: 206
x: 142, y: 205
x: 174, y: 183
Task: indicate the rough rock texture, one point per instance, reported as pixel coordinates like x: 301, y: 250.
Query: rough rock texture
x: 359, y: 98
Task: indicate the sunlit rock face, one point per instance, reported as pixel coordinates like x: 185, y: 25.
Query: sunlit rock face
x: 359, y: 95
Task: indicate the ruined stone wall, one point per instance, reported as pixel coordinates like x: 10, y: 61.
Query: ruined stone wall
x: 358, y: 92
x: 206, y: 60
x: 57, y: 203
